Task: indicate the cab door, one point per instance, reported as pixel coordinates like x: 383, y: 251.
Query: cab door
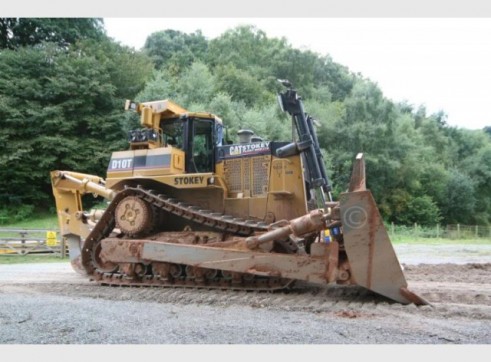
x: 200, y: 156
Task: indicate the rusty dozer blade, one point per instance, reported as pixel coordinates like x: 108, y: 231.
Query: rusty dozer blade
x: 373, y: 261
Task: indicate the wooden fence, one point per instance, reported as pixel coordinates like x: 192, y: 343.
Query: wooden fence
x: 457, y: 231
x: 31, y: 241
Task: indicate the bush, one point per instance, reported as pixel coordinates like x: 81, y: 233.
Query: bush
x: 15, y: 214
x: 421, y: 210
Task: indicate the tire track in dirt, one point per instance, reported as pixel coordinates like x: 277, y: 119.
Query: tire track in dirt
x: 454, y: 291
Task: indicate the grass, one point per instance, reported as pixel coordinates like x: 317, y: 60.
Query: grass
x: 31, y: 258
x: 406, y: 239
x: 47, y: 221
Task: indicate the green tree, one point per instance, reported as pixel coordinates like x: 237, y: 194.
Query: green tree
x: 460, y: 200
x: 421, y: 210
x: 60, y: 108
x: 230, y: 112
x: 49, y: 99
x: 18, y: 32
x: 244, y: 47
x: 196, y: 86
x: 248, y: 48
x: 241, y: 86
x: 175, y: 49
x: 128, y: 69
x: 478, y: 167
x: 162, y: 85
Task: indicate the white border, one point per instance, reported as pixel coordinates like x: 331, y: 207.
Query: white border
x: 248, y: 8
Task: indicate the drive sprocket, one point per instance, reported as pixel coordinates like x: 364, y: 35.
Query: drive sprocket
x: 134, y: 216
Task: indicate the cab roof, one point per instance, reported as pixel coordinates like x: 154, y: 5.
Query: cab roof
x: 169, y: 109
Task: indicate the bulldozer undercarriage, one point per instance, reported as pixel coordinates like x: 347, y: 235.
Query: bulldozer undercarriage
x: 133, y: 211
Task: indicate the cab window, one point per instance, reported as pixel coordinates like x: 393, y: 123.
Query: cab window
x: 173, y: 133
x: 202, y: 145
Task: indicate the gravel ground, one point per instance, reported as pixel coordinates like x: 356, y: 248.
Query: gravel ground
x: 45, y: 321
x: 46, y: 304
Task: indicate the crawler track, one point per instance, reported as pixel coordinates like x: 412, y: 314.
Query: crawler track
x: 166, y: 274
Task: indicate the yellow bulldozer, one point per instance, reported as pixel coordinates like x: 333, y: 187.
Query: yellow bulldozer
x: 186, y: 208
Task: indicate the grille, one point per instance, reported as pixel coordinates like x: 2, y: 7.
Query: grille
x: 260, y: 166
x: 232, y: 170
x: 241, y: 173
x: 246, y: 168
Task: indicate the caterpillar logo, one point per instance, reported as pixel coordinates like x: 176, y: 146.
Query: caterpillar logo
x: 250, y: 148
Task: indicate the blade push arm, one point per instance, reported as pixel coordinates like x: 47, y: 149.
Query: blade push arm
x: 308, y: 143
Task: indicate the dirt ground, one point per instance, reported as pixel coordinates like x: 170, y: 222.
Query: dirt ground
x: 51, y: 304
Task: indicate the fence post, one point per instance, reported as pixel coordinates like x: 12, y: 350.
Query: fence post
x: 392, y: 228
x: 23, y: 237
x: 416, y: 229
x: 458, y: 231
x: 437, y: 231
x: 63, y: 248
x: 477, y: 231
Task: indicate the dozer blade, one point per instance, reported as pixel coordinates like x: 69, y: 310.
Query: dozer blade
x: 373, y: 261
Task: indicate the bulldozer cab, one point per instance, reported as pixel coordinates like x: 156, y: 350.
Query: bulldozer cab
x: 196, y: 134
x: 197, y: 137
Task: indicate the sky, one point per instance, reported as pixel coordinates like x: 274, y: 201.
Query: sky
x: 443, y: 64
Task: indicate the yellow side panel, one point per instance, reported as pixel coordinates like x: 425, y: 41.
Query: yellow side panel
x: 238, y: 207
x: 153, y: 162
x: 145, y: 163
x: 177, y: 164
x: 210, y: 198
x: 279, y: 176
x: 257, y: 208
x: 146, y: 117
x: 286, y: 196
